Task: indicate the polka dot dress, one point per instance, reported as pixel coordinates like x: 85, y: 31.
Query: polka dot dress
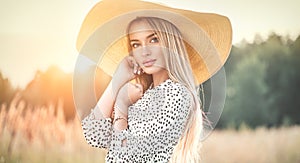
x: 155, y: 124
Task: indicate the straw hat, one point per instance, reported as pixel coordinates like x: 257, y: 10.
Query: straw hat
x: 102, y: 36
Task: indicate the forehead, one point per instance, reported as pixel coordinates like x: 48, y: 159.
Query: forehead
x: 139, y: 26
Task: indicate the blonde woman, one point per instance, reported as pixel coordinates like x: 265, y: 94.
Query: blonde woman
x: 158, y: 117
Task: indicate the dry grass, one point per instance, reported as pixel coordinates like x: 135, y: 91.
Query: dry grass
x: 31, y: 134
x: 35, y: 135
x: 253, y: 146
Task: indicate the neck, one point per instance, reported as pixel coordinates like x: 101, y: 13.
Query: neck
x: 160, y: 77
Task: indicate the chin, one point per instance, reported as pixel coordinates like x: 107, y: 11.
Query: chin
x: 153, y: 70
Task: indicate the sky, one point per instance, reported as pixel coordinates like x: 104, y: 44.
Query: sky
x: 36, y: 34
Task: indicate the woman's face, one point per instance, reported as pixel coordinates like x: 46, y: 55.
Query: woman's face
x: 146, y: 48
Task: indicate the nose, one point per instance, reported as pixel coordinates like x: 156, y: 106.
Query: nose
x: 146, y: 50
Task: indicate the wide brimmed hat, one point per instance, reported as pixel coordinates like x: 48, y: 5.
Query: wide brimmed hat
x: 102, y: 37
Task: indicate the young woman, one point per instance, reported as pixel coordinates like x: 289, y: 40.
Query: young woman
x: 150, y: 111
x: 166, y: 120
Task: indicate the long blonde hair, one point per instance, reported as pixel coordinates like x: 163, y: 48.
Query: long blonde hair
x: 179, y: 70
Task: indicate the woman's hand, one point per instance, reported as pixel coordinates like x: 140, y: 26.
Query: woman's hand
x: 127, y: 70
x: 128, y: 95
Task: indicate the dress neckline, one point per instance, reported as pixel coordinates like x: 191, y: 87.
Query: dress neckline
x: 159, y: 85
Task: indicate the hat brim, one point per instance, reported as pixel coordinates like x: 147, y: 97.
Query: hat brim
x: 102, y: 37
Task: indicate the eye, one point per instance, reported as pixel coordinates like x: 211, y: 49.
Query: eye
x: 135, y: 45
x: 154, y: 40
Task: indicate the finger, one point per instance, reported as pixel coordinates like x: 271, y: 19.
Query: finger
x: 136, y: 69
x: 140, y: 71
x: 131, y: 61
x: 133, y: 64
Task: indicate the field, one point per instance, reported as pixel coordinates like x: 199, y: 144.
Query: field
x: 253, y: 146
x: 39, y: 134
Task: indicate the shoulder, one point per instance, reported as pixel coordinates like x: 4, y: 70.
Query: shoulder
x: 177, y: 98
x: 176, y: 92
x: 176, y: 89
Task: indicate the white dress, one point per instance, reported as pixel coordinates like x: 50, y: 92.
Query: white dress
x: 155, y: 124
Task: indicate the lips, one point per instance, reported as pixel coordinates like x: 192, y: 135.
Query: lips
x: 149, y: 62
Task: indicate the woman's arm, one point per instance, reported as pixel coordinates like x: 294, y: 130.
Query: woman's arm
x: 98, y: 130
x: 128, y: 95
x: 104, y: 106
x: 125, y: 72
x: 97, y: 126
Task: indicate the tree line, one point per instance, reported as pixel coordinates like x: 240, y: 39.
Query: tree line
x: 263, y: 81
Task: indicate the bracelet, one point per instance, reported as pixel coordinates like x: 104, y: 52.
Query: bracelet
x: 119, y: 118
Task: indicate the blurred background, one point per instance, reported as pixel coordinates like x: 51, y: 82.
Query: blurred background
x: 260, y: 120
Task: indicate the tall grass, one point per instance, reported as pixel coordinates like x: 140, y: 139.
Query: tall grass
x: 40, y: 134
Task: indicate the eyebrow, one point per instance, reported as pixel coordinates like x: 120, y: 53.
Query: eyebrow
x: 149, y: 36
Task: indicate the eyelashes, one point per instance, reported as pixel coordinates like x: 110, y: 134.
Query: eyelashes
x: 137, y: 44
x: 154, y: 40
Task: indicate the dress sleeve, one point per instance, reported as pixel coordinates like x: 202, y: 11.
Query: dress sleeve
x: 97, y: 132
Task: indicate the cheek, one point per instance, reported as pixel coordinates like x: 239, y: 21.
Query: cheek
x: 160, y: 56
x: 137, y: 58
x: 157, y: 51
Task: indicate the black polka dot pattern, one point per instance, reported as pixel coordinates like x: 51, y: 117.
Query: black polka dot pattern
x: 155, y: 124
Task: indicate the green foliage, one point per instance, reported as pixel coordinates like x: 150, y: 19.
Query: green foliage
x: 262, y: 84
x: 246, y: 94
